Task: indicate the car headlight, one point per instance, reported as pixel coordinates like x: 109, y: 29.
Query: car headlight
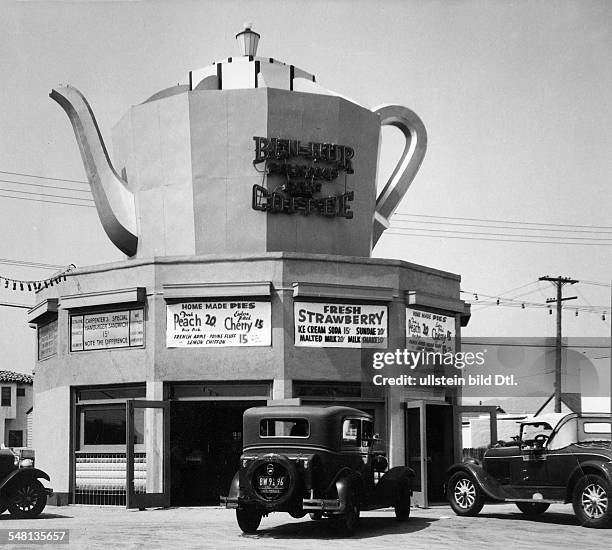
x: 26, y: 463
x: 305, y: 462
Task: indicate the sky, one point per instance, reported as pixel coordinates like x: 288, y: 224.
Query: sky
x: 515, y: 96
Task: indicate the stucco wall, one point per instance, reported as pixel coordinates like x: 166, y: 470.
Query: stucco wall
x: 281, y: 360
x: 189, y: 161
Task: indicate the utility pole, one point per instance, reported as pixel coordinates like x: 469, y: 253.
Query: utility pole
x: 558, y: 282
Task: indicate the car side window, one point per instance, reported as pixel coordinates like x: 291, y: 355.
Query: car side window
x: 567, y: 435
x: 367, y: 433
x: 351, y: 432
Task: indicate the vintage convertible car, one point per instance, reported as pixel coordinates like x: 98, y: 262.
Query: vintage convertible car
x: 560, y: 458
x: 322, y: 460
x: 20, y: 489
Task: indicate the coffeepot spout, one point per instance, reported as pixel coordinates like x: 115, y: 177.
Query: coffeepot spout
x: 114, y: 201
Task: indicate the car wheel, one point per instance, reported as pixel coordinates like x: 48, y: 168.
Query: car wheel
x: 591, y: 501
x: 402, y: 505
x: 532, y: 508
x: 465, y: 497
x: 350, y: 518
x: 27, y: 499
x: 248, y: 519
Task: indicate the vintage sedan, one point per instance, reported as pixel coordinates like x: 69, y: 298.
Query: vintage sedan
x: 559, y: 458
x: 21, y: 492
x: 319, y: 460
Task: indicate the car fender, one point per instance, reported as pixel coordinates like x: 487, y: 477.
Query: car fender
x: 23, y: 473
x: 389, y: 487
x: 234, y: 490
x: 348, y: 482
x: 603, y: 469
x: 487, y: 484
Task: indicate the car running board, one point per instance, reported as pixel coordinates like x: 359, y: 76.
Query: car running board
x: 535, y: 500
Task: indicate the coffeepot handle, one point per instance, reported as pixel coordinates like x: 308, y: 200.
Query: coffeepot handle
x: 407, y: 167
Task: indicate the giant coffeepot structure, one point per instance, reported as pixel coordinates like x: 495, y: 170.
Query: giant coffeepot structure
x: 251, y: 156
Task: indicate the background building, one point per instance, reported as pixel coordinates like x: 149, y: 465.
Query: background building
x: 16, y: 403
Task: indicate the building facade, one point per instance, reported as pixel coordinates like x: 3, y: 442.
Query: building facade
x: 15, y: 403
x: 246, y: 206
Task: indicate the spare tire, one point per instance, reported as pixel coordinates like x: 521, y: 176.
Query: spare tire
x: 272, y: 480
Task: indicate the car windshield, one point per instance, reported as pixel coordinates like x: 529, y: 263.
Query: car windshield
x: 535, y: 434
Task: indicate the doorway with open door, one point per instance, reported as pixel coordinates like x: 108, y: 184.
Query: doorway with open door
x: 205, y: 449
x: 434, y: 441
x: 430, y: 448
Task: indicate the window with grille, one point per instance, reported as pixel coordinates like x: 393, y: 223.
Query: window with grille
x: 5, y: 399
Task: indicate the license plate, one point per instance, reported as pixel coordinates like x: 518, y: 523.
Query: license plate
x: 270, y: 484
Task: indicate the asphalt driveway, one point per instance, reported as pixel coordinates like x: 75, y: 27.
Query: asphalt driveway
x: 500, y: 526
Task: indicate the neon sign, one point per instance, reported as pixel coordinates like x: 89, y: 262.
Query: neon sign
x: 301, y: 180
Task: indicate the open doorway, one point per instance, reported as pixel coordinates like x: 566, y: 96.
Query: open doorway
x: 205, y: 448
x: 440, y: 450
x: 430, y: 448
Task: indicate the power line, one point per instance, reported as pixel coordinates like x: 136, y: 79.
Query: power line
x: 487, y: 340
x: 497, y: 301
x: 503, y: 227
x: 46, y: 195
x: 47, y: 201
x: 392, y: 232
x: 42, y: 177
x: 25, y: 263
x: 500, y: 234
x: 46, y: 186
x: 506, y: 291
x: 502, y: 221
x: 595, y: 283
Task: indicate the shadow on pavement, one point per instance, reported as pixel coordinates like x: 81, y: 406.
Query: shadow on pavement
x: 547, y: 518
x: 42, y: 516
x: 368, y: 527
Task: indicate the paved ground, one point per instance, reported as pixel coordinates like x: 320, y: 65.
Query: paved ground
x: 501, y: 526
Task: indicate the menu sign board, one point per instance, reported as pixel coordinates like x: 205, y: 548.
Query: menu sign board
x: 47, y: 340
x: 108, y: 330
x: 330, y: 325
x: 218, y: 324
x: 427, y: 331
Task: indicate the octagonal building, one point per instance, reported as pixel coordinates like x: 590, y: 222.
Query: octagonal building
x: 246, y: 206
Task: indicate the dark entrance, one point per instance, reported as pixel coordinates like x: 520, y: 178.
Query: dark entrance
x: 440, y: 449
x: 205, y: 448
x: 429, y: 448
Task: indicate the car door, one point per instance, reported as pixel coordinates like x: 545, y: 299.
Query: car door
x: 529, y: 471
x: 561, y: 458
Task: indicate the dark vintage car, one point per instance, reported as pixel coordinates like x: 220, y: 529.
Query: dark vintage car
x: 318, y: 460
x: 560, y: 458
x: 20, y: 489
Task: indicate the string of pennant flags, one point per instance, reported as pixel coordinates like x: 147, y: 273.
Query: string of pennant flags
x: 479, y: 301
x: 9, y: 283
